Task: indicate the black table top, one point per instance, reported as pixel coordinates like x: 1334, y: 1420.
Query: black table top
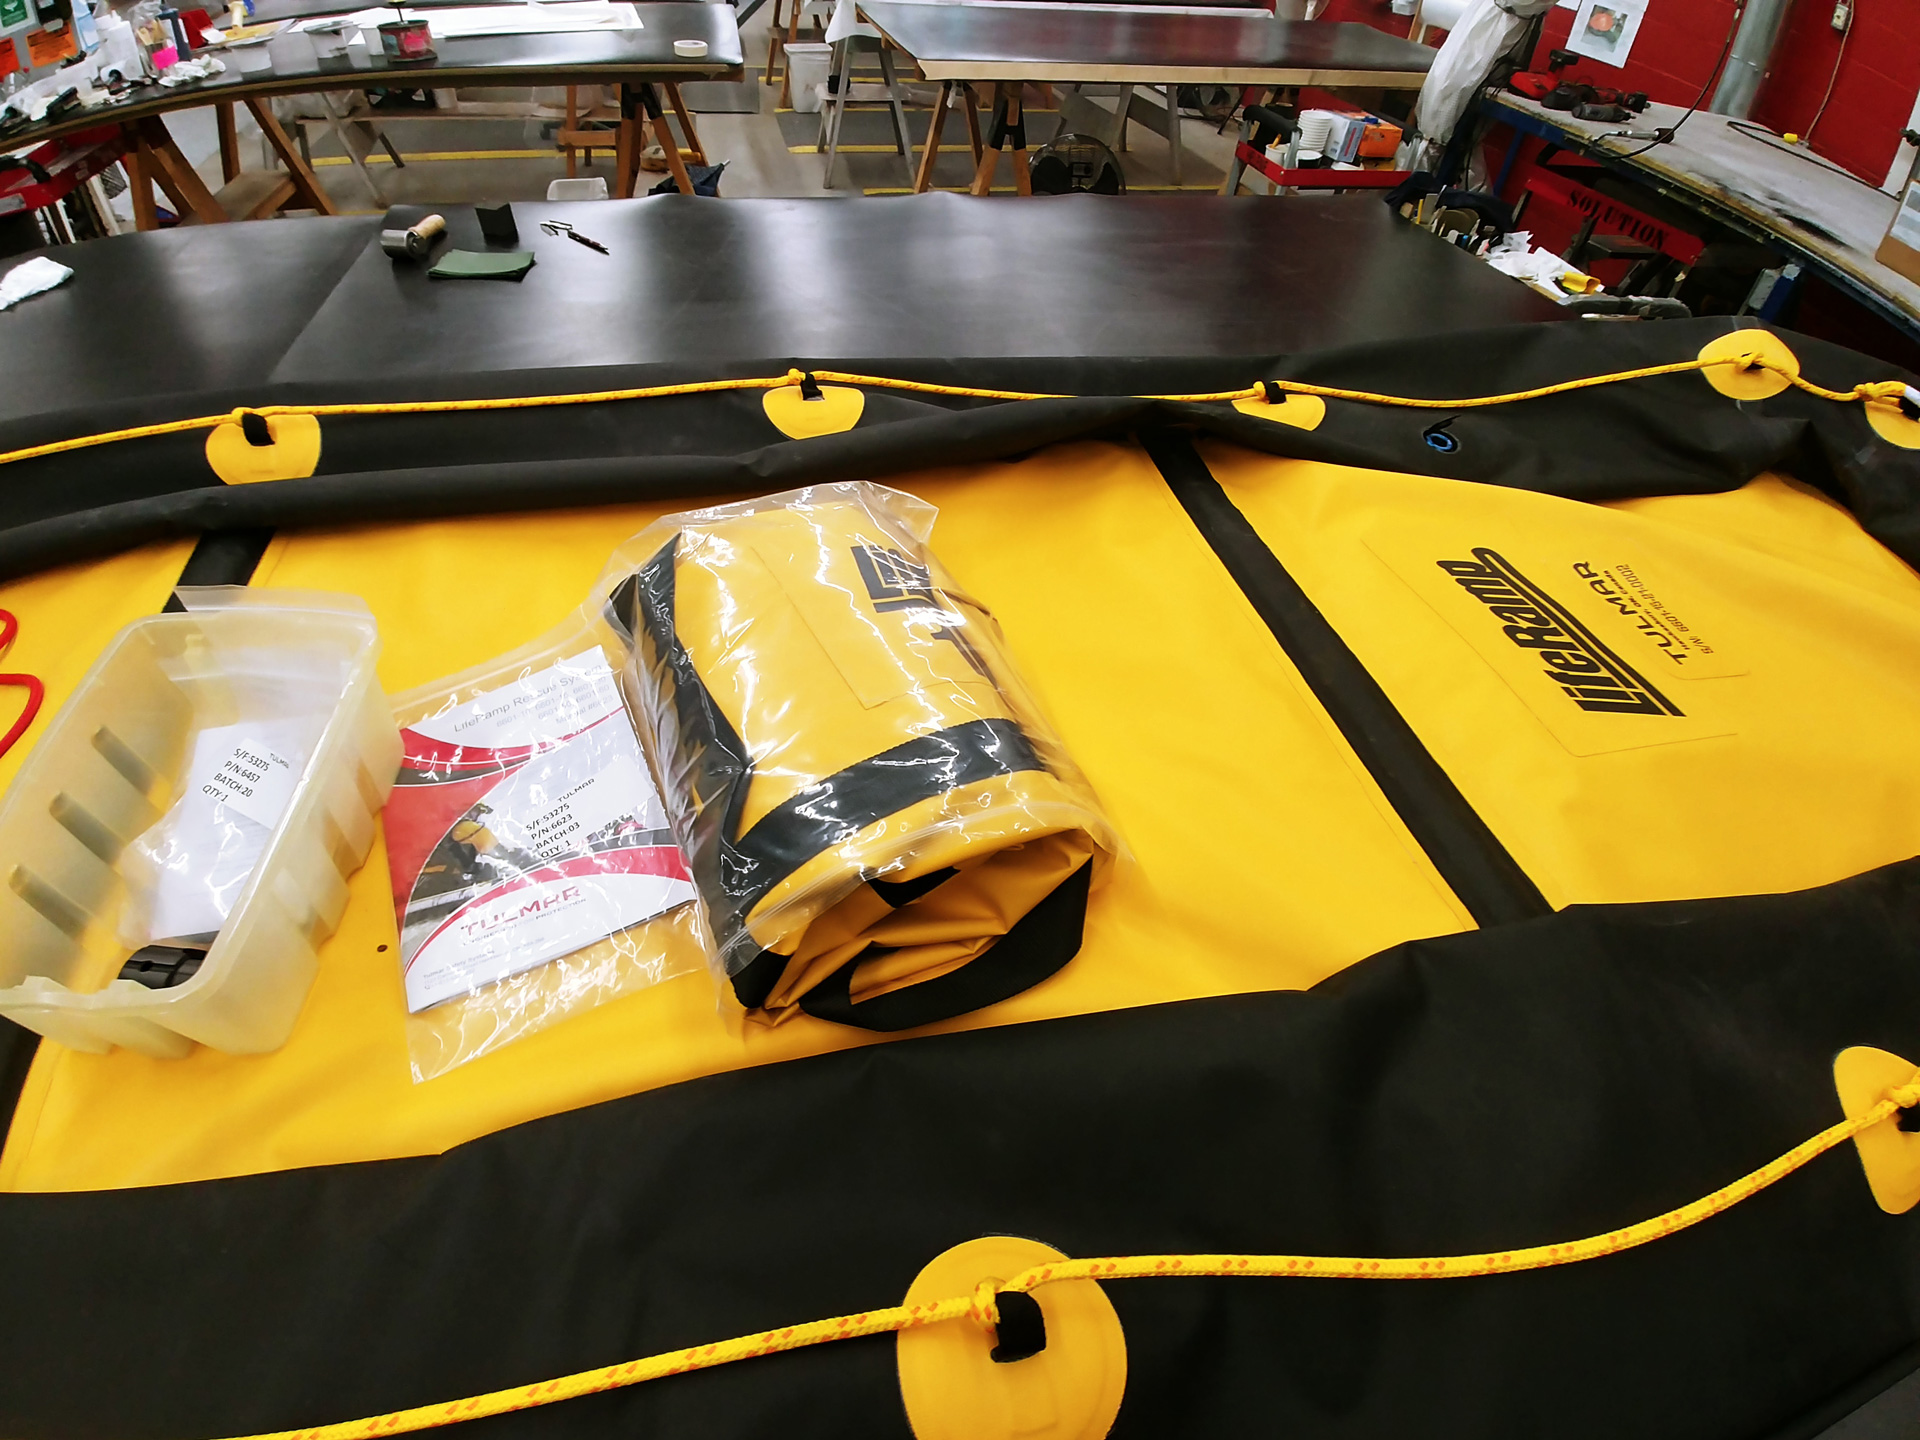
x: 197, y: 309
x: 266, y: 12
x: 578, y: 57
x: 290, y: 307
x: 1067, y: 43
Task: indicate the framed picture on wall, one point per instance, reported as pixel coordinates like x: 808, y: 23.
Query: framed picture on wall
x: 1605, y: 30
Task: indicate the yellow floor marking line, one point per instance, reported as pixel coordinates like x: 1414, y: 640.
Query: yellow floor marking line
x: 380, y: 157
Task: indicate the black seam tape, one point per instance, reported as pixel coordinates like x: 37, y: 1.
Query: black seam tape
x: 1473, y: 862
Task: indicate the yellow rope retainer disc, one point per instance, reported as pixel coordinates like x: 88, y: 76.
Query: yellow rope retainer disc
x: 955, y: 1390
x: 792, y: 414
x: 1303, y: 412
x: 1889, y: 1155
x: 1743, y: 364
x: 1892, y: 424
x: 1780, y: 369
x: 293, y: 454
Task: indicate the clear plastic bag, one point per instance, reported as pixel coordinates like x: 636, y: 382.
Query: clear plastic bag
x: 882, y: 828
x: 533, y: 872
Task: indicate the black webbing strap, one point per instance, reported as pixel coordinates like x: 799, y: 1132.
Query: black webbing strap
x: 1038, y: 944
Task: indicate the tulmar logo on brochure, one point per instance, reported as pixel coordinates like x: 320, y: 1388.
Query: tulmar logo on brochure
x: 1573, y: 656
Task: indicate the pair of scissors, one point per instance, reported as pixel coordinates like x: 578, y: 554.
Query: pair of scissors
x: 561, y: 227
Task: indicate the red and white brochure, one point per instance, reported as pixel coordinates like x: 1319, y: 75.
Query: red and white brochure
x: 524, y: 827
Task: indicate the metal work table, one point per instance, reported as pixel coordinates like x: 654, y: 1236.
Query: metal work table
x: 636, y: 59
x: 1075, y: 43
x: 962, y: 45
x: 190, y: 320
x: 1827, y: 220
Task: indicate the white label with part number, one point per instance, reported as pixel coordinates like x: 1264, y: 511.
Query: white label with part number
x: 249, y: 775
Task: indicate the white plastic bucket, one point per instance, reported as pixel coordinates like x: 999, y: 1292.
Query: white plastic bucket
x: 809, y: 64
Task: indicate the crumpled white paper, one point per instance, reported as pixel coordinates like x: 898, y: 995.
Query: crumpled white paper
x: 186, y: 72
x: 31, y: 278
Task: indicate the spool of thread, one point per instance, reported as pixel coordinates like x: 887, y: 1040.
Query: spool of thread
x: 416, y: 240
x: 406, y: 40
x: 690, y: 49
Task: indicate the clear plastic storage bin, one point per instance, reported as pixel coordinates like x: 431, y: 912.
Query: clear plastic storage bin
x: 111, y: 764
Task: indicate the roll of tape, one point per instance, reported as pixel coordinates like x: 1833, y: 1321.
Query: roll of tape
x: 690, y: 49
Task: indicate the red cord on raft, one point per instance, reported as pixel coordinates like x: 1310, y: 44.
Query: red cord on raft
x: 36, y: 692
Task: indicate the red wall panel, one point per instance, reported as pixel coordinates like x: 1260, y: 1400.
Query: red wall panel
x: 1681, y: 39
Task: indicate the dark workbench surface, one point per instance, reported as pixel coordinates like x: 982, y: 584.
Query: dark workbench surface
x: 567, y: 58
x: 992, y: 42
x: 274, y: 309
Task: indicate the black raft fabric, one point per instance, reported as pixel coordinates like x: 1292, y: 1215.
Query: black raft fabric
x: 1667, y: 435
x: 1543, y: 1080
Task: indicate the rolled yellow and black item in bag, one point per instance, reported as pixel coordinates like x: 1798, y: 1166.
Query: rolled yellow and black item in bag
x: 881, y: 828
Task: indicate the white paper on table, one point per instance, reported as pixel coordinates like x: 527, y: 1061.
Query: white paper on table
x: 31, y: 277
x: 1605, y: 30
x: 463, y: 22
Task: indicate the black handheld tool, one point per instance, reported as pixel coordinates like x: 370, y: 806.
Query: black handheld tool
x: 561, y: 227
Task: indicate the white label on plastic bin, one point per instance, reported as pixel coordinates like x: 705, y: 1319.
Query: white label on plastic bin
x: 252, y: 778
x: 201, y: 853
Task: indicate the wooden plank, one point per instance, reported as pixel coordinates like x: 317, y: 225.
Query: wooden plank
x: 305, y: 183
x: 694, y: 147
x: 229, y: 141
x: 146, y: 215
x: 924, y: 178
x: 191, y: 198
x: 254, y: 194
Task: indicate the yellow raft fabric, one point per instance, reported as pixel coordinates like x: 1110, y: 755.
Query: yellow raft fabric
x: 826, y: 637
x: 1262, y: 854
x: 1788, y: 640
x: 66, y: 617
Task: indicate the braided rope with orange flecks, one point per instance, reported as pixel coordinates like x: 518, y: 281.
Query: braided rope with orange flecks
x: 982, y: 1307
x: 1882, y: 390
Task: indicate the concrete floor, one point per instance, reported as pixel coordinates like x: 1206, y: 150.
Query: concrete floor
x: 488, y: 158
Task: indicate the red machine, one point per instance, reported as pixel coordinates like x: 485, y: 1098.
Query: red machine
x: 52, y: 171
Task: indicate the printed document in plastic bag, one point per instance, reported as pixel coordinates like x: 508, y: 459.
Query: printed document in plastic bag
x: 524, y: 826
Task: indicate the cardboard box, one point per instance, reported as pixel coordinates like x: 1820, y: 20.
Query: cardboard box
x: 1900, y: 251
x: 1380, y: 139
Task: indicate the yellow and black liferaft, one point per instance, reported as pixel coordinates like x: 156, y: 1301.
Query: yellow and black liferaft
x: 1374, y: 894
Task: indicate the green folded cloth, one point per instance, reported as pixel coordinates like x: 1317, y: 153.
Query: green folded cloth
x: 482, y: 265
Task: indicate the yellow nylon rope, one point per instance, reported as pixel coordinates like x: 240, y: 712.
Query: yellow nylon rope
x: 1868, y: 390
x: 981, y: 1308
